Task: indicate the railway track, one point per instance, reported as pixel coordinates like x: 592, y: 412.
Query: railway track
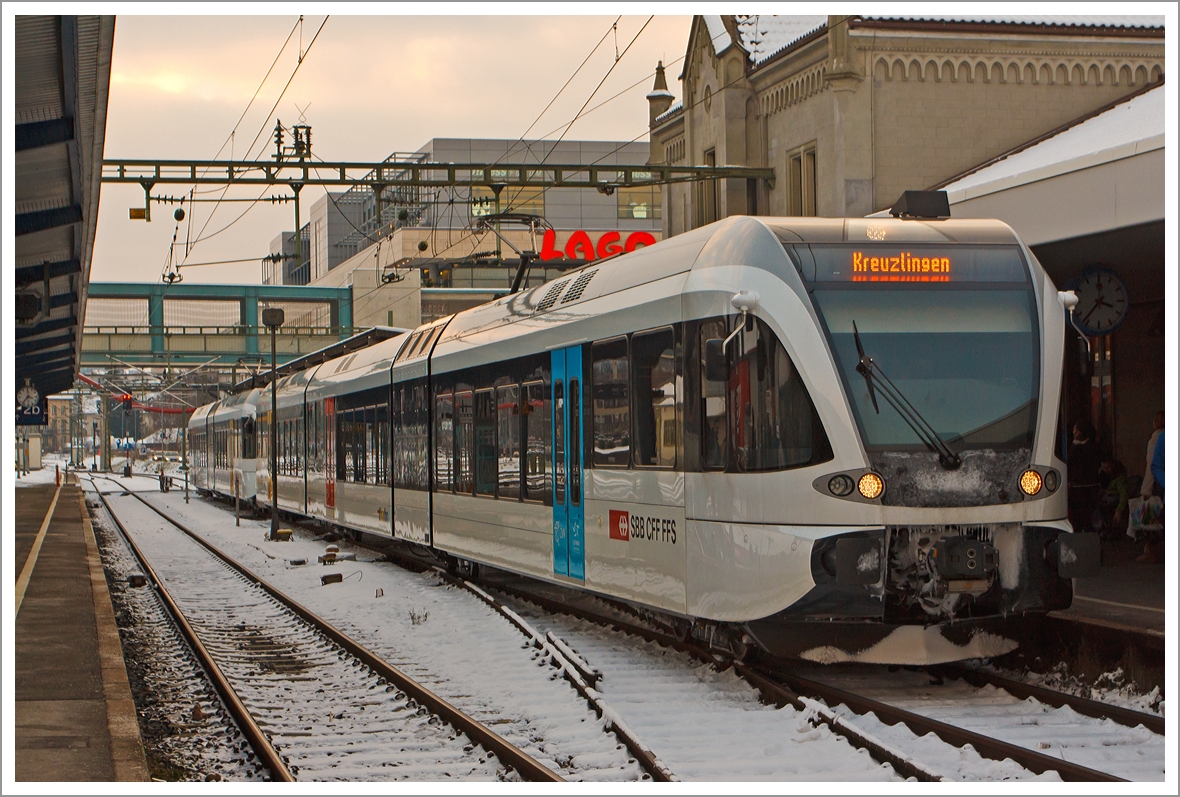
x: 781, y: 684
x: 313, y: 703
x: 821, y: 701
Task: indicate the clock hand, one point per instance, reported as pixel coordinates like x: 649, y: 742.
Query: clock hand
x: 1086, y: 317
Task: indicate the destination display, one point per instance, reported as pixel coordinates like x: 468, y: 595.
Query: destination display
x: 916, y: 264
x: 899, y: 268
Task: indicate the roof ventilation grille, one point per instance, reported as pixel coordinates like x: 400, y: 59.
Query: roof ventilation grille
x: 551, y: 295
x: 579, y: 287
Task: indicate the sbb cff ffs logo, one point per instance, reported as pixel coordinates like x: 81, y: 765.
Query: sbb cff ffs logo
x: 625, y: 527
x: 620, y: 525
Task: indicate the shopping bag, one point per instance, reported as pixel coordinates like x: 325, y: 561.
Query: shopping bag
x: 1144, y: 515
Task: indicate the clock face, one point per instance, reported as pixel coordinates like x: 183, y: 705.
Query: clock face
x: 28, y: 396
x: 1102, y: 301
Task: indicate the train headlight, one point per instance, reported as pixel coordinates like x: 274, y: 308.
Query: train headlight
x: 1052, y: 481
x: 871, y: 486
x: 1030, y: 482
x: 840, y: 485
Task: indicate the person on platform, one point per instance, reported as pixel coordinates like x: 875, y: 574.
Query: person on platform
x: 1148, y: 488
x: 1153, y: 551
x: 1112, y: 478
x: 1083, y: 477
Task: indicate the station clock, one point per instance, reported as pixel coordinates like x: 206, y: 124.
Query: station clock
x: 1102, y: 301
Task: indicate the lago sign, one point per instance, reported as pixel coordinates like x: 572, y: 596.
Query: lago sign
x: 581, y: 247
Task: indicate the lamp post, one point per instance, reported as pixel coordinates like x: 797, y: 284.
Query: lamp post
x: 272, y: 318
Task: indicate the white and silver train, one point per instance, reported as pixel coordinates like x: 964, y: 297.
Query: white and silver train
x: 828, y: 438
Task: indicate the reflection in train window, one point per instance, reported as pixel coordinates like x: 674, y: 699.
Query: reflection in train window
x: 508, y: 435
x: 444, y: 430
x: 464, y: 442
x: 536, y: 457
x: 611, y: 404
x: 654, y: 358
x: 485, y: 442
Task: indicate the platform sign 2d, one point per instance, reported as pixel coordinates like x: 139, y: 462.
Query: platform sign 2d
x: 33, y: 413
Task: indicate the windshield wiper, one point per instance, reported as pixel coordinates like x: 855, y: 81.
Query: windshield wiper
x: 908, y: 412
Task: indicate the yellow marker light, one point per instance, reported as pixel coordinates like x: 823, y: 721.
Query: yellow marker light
x: 1030, y: 482
x: 871, y: 485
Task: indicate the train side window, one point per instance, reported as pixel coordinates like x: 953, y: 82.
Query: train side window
x: 611, y: 403
x: 559, y: 442
x: 575, y: 443
x: 372, y: 441
x: 485, y: 442
x: 773, y: 421
x: 444, y: 436
x: 508, y: 423
x: 383, y: 440
x: 654, y: 391
x: 464, y: 442
x: 536, y: 453
x: 714, y: 432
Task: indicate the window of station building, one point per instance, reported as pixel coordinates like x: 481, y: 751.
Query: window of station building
x: 485, y: 442
x: 444, y: 435
x: 514, y: 200
x: 536, y: 456
x: 654, y: 369
x: 508, y: 428
x: 801, y: 181
x: 773, y: 422
x: 611, y: 403
x: 464, y: 441
x: 640, y: 202
x: 707, y: 193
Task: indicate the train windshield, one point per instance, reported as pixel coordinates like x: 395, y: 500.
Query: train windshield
x: 953, y: 328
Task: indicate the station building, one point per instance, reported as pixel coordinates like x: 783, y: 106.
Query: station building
x: 410, y: 254
x: 1052, y: 124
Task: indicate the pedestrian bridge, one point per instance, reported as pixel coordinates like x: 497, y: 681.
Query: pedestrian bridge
x: 161, y: 325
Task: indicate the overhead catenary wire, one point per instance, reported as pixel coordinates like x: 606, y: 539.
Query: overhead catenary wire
x: 302, y: 55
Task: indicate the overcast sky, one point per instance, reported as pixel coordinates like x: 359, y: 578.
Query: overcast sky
x: 369, y: 85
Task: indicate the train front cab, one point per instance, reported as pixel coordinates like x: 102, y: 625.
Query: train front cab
x: 929, y: 561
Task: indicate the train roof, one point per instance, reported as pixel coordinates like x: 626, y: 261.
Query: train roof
x: 890, y: 230
x: 729, y: 237
x: 359, y: 369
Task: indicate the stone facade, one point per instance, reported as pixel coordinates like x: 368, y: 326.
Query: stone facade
x: 885, y: 105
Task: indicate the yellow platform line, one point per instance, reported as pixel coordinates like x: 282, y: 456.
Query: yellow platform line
x: 26, y: 572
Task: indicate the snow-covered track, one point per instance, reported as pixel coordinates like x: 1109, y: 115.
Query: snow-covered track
x: 259, y: 743
x: 1083, y: 705
x: 390, y: 732
x: 770, y: 691
x: 987, y: 745
x: 780, y: 685
x: 582, y: 677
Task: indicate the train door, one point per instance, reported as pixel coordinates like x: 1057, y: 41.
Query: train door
x: 330, y: 452
x: 569, y: 546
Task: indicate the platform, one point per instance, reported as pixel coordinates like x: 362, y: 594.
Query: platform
x: 1126, y: 594
x: 75, y: 716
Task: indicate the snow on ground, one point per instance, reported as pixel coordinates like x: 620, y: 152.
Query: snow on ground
x: 703, y: 724
x: 1133, y: 753
x: 187, y: 732
x: 1109, y: 687
x: 441, y: 636
x: 46, y: 475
